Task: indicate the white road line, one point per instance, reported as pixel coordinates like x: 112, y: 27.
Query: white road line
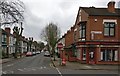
x: 44, y: 67
x: 33, y: 69
x: 20, y: 69
x: 41, y: 67
x: 88, y: 66
x: 10, y: 65
x: 59, y: 71
x: 4, y: 72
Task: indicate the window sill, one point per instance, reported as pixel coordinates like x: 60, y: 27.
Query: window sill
x: 109, y: 36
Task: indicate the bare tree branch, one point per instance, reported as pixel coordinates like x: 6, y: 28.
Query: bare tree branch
x: 11, y: 12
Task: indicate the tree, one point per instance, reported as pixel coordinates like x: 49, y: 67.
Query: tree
x: 18, y: 33
x: 41, y: 45
x: 51, y: 33
x: 35, y: 44
x: 11, y: 14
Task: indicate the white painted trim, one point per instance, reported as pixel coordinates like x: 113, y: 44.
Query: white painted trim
x: 116, y: 55
x: 109, y: 20
x: 101, y: 56
x: 75, y: 29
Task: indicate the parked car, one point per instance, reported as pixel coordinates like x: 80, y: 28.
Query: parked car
x: 42, y: 51
x: 37, y: 52
x: 34, y: 53
x: 29, y: 54
x: 47, y: 54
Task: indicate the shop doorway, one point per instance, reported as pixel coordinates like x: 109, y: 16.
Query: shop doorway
x: 92, y: 56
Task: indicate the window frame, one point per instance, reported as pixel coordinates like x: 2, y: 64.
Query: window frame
x: 108, y: 55
x: 82, y: 31
x: 107, y: 26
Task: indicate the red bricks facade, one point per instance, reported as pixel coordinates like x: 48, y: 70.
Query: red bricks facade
x: 96, y: 47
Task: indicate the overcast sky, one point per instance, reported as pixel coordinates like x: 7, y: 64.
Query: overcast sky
x: 39, y: 13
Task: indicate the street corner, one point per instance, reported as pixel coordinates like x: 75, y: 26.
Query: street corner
x: 51, y: 65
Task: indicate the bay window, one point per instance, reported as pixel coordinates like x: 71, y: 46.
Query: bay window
x: 82, y: 31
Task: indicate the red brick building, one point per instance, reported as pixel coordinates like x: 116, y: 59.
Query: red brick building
x: 95, y: 38
x: 69, y: 41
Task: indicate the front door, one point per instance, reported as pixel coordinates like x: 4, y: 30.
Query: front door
x: 91, y: 56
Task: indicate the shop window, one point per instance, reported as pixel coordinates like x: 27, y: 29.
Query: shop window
x: 109, y: 55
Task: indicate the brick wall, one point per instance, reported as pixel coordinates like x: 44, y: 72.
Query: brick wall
x: 98, y: 25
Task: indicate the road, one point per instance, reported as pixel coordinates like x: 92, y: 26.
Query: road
x: 39, y: 64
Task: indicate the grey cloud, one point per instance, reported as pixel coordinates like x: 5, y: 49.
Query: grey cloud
x: 63, y: 12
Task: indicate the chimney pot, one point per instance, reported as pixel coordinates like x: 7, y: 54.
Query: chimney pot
x: 111, y: 6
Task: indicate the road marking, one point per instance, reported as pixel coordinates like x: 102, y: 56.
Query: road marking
x: 33, y: 69
x: 41, y: 67
x: 20, y: 69
x: 10, y: 65
x: 44, y: 67
x: 88, y: 66
x: 8, y: 72
x: 4, y: 73
x: 59, y: 71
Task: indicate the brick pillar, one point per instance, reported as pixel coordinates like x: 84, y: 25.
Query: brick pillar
x: 87, y: 56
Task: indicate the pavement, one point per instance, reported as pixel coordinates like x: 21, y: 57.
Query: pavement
x: 81, y: 66
x: 5, y: 60
x: 8, y: 59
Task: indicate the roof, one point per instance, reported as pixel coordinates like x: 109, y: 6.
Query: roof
x: 100, y: 11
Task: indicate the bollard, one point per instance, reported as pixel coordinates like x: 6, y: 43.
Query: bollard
x: 63, y: 62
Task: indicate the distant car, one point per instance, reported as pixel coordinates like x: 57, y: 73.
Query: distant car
x: 37, y: 52
x: 29, y: 54
x: 42, y: 51
x: 47, y: 54
x: 34, y: 53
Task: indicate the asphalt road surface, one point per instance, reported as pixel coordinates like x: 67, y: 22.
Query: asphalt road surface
x: 39, y: 64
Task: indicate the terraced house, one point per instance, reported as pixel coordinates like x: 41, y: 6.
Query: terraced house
x: 95, y: 36
x: 8, y: 43
x: 4, y: 43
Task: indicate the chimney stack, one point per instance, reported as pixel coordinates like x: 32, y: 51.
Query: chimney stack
x: 111, y: 6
